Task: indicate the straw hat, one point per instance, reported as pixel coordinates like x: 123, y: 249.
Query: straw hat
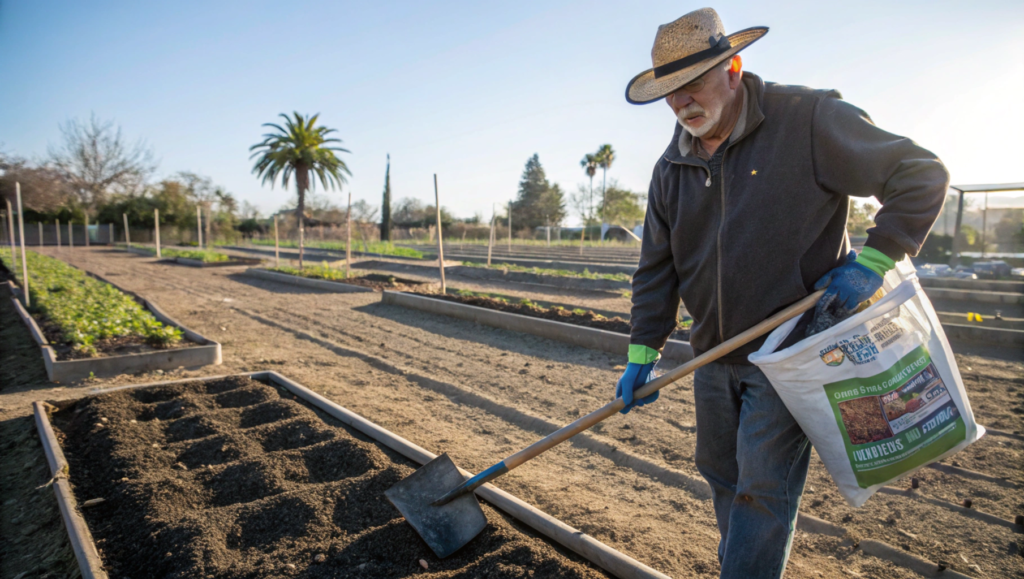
x: 686, y: 49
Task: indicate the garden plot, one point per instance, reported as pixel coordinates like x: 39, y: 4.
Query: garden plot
x: 335, y: 279
x: 406, y: 365
x: 232, y: 477
x: 626, y: 255
x: 578, y: 326
x: 378, y: 248
x: 584, y: 280
x: 88, y: 327
x: 193, y: 257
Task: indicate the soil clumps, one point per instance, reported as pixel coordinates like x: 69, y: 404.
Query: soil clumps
x: 234, y: 478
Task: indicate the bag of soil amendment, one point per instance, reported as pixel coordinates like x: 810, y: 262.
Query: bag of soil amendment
x: 879, y: 394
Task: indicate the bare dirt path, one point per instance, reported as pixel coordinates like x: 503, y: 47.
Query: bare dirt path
x: 480, y: 393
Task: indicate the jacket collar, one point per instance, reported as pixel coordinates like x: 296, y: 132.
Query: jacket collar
x: 753, y: 117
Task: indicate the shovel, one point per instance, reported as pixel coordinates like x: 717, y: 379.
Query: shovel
x: 438, y: 500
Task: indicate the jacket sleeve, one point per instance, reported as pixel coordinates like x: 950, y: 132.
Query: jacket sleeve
x: 854, y: 157
x: 655, y: 283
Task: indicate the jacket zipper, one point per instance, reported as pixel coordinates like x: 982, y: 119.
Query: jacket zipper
x: 721, y: 223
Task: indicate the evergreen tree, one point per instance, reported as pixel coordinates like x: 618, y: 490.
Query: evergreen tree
x: 385, y: 208
x: 538, y: 203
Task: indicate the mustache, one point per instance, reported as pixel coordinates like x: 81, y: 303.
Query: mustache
x: 691, y: 110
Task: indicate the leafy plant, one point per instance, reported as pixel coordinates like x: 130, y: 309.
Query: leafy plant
x: 322, y: 271
x: 585, y: 274
x: 85, y: 309
x: 381, y: 247
x: 203, y: 255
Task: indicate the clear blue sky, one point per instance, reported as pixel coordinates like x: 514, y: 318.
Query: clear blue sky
x: 470, y: 90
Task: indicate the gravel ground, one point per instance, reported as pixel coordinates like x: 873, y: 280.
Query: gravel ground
x: 477, y: 393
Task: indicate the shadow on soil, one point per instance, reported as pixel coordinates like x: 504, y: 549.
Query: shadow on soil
x: 21, y: 364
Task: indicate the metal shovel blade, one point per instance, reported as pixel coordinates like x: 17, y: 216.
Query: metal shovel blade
x: 445, y: 528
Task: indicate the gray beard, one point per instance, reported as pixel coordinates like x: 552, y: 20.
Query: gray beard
x: 711, y: 119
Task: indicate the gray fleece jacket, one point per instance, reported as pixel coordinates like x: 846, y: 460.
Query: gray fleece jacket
x: 744, y: 235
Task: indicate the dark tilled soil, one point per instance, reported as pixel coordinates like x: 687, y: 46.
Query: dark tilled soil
x: 234, y: 478
x: 382, y: 282
x: 588, y: 318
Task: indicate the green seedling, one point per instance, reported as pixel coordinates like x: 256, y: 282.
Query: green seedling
x: 322, y: 271
x: 379, y: 247
x: 85, y: 310
x: 585, y: 274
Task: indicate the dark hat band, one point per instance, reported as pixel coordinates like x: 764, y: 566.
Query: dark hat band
x: 717, y: 47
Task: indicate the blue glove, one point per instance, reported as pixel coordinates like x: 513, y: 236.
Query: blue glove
x: 848, y: 285
x: 635, y: 376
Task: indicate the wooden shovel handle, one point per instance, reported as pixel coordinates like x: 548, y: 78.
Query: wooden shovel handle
x: 570, y: 430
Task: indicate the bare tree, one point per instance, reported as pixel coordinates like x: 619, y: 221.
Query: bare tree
x: 250, y: 211
x: 95, y: 160
x: 42, y: 188
x: 363, y: 212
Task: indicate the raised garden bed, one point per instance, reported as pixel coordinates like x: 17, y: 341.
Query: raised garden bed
x: 562, y: 325
x: 86, y: 326
x: 576, y: 316
x: 363, y: 283
x: 558, y: 278
x: 194, y: 257
x: 371, y: 248
x: 254, y: 476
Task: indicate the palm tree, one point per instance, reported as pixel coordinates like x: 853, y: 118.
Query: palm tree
x: 590, y: 164
x: 605, y: 157
x: 296, y: 149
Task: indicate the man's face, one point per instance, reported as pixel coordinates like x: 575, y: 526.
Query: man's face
x: 699, y: 108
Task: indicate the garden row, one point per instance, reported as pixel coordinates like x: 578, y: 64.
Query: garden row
x: 255, y: 475
x: 191, y: 257
x: 88, y: 327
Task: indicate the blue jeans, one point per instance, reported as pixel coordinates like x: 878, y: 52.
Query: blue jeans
x: 755, y: 457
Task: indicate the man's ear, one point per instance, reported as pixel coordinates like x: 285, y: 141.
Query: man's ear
x: 735, y: 72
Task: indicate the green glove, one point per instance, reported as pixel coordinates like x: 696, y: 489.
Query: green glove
x: 642, y: 354
x: 876, y: 261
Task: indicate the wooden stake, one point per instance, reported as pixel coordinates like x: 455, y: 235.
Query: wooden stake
x: 14, y: 252
x: 348, y: 234
x: 209, y: 235
x: 87, y: 230
x: 56, y: 227
x: 510, y: 228
x: 127, y: 236
x: 440, y: 243
x: 490, y: 238
x: 199, y: 225
x: 71, y: 235
x: 3, y: 225
x: 21, y: 234
x: 40, y: 224
x: 277, y: 246
x: 110, y: 234
x: 156, y: 231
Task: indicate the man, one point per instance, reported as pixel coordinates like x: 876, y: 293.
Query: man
x: 747, y: 214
